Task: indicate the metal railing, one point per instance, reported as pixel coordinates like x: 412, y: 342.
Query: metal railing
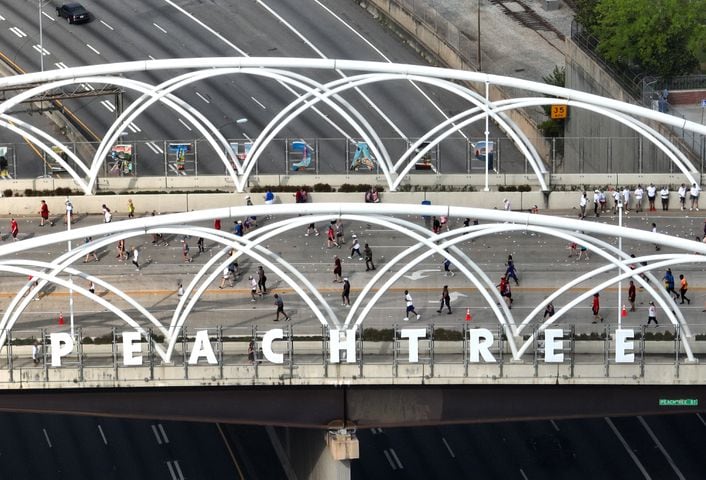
x: 443, y: 352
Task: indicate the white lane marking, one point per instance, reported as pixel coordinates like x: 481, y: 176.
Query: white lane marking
x: 48, y: 16
x: 61, y: 65
x: 2, y: 18
x: 178, y: 470
x: 556, y: 427
x: 258, y: 102
x: 107, y: 104
x: 389, y: 460
x: 156, y: 434
x: 185, y: 124
x: 134, y: 128
x: 245, y: 135
x: 96, y: 51
x: 522, y: 472
x: 171, y: 470
x: 379, y: 52
x: 100, y: 430
x: 661, y: 448
x: 394, y: 455
x: 164, y: 434
x: 46, y: 436
x: 243, y: 53
x: 151, y: 57
x: 701, y: 418
x: 18, y: 32
x: 306, y: 41
x: 448, y: 447
x: 41, y: 50
x: 202, y: 97
x: 627, y: 448
x: 87, y: 87
x: 153, y: 147
x: 159, y: 28
x: 107, y: 26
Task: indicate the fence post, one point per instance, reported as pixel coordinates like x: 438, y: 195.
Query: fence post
x: 572, y: 352
x: 44, y: 354
x: 150, y: 352
x: 220, y: 351
x: 184, y: 346
x: 80, y: 354
x: 9, y: 356
x: 606, y: 351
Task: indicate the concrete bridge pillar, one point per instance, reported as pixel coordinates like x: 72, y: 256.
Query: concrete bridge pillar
x: 312, y: 454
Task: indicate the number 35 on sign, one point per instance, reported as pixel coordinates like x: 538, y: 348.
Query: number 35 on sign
x: 559, y: 112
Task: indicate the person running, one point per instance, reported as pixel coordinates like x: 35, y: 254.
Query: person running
x: 445, y: 300
x: 596, y: 202
x: 511, y: 271
x: 596, y: 308
x: 626, y: 199
x: 185, y: 251
x: 368, y: 252
x: 14, y: 229
x: 311, y: 229
x: 199, y: 244
x: 505, y: 291
x: 91, y: 287
x: 225, y: 277
x: 69, y: 210
x: 122, y: 254
x: 410, y: 306
x: 435, y: 225
x: 583, y: 252
x: 337, y: 270
x: 261, y: 281
x: 88, y: 240
x: 43, y: 213
x: 447, y: 268
x: 682, y: 197
x: 548, y: 311
x: 652, y: 314
x: 683, y: 288
x: 136, y: 258
x: 107, y: 214
x: 573, y: 249
x: 355, y: 248
x: 346, y: 293
x: 253, y: 288
x: 668, y: 279
x: 654, y: 230
x: 280, y: 308
x: 130, y: 208
x: 632, y: 295
x: 331, y: 238
x: 340, y: 235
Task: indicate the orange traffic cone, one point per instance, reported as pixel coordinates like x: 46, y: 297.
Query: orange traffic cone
x: 468, y: 314
x: 61, y: 318
x: 624, y: 312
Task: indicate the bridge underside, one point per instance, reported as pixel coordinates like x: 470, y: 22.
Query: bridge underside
x: 361, y: 406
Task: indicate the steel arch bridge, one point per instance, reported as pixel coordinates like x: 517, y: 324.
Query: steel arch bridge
x: 425, y: 243
x: 310, y: 93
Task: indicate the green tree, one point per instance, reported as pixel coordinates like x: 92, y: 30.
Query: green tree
x: 656, y: 36
x: 551, y: 127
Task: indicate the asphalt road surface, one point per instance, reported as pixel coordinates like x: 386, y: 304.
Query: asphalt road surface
x: 542, y: 262
x: 136, y: 30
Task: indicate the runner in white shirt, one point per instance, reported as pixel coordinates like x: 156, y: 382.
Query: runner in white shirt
x: 583, y: 201
x: 596, y: 202
x: 616, y: 200
x: 682, y: 196
x: 638, y: 198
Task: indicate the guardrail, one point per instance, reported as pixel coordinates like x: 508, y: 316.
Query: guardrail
x: 310, y: 355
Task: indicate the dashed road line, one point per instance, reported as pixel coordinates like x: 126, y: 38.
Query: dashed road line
x: 203, y: 98
x: 48, y: 16
x: 701, y: 418
x: 389, y: 460
x: 100, y: 430
x: 18, y: 32
x: 46, y: 436
x: 259, y: 103
x: 396, y: 459
x: 159, y: 28
x: 96, y: 51
x: 155, y: 148
x: 106, y: 25
x: 524, y: 476
x: 448, y: 447
x: 185, y: 124
x: 164, y: 434
x: 556, y: 427
x: 61, y: 65
x: 41, y: 49
x: 108, y: 105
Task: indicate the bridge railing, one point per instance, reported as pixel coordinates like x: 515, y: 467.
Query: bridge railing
x: 238, y: 355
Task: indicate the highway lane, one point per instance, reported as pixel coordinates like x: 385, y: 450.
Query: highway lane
x: 126, y: 32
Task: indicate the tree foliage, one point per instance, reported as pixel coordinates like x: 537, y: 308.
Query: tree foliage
x: 663, y: 37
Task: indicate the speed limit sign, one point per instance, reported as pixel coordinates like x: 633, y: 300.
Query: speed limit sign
x: 559, y: 111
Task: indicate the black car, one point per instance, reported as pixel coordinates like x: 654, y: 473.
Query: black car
x: 73, y: 13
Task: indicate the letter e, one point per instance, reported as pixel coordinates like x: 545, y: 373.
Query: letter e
x: 130, y: 347
x: 622, y: 335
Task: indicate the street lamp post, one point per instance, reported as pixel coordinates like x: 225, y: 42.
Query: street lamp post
x: 620, y: 248
x: 69, y: 214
